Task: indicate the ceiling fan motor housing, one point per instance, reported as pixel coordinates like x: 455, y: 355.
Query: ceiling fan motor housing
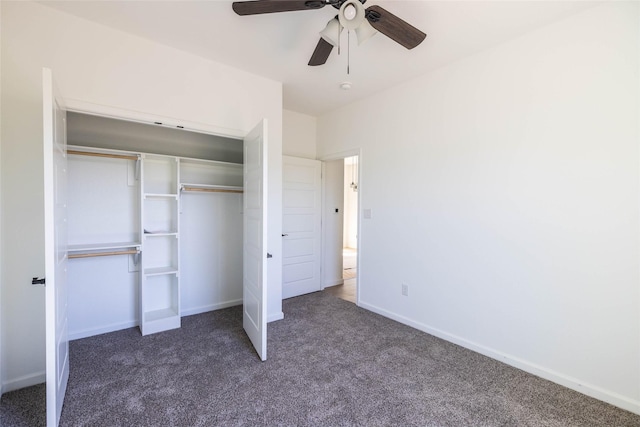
x: 338, y: 3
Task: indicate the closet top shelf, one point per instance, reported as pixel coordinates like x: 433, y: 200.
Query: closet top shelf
x: 108, y: 155
x: 204, y: 187
x: 190, y: 160
x: 134, y: 155
x: 83, y: 247
x: 101, y: 152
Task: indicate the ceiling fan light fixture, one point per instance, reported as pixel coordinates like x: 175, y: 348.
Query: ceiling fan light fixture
x: 331, y: 32
x: 364, y: 32
x: 350, y: 12
x: 351, y: 15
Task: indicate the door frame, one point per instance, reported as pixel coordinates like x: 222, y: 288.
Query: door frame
x: 341, y: 155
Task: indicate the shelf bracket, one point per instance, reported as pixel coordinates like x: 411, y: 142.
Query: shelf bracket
x: 136, y: 258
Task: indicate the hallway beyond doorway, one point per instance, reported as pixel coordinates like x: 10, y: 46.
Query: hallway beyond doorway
x: 347, y: 291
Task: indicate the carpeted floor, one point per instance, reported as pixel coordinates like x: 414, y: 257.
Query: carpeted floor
x: 330, y: 364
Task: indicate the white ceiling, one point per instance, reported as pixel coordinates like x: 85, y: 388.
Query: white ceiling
x: 278, y: 46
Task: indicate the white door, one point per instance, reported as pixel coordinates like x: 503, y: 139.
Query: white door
x: 301, y: 211
x: 55, y: 244
x: 254, y: 289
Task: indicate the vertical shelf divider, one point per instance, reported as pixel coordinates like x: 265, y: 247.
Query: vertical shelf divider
x: 159, y: 227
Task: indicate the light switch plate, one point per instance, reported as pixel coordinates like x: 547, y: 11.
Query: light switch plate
x: 367, y: 214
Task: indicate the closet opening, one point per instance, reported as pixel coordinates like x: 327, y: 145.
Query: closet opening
x: 155, y: 224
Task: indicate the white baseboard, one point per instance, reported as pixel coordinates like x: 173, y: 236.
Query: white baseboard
x: 275, y: 316
x: 84, y: 333
x: 24, y: 381
x: 556, y: 377
x: 210, y: 307
x: 219, y: 306
x: 333, y: 283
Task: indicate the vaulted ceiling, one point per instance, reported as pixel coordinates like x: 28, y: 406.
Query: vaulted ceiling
x: 278, y: 46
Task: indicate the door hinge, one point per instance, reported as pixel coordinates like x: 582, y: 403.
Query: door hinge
x: 36, y: 281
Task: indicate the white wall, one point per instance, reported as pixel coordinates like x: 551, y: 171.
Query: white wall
x: 103, y: 201
x: 215, y: 281
x: 510, y: 182
x: 332, y: 222
x: 99, y: 69
x: 298, y: 135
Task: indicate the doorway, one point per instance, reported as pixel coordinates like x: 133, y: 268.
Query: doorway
x: 350, y: 229
x: 341, y: 227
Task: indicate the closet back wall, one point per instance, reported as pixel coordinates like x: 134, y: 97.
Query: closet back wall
x: 101, y: 132
x: 103, y: 207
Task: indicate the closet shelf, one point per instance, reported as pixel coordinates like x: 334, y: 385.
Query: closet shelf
x: 86, y: 247
x: 160, y: 196
x: 191, y: 161
x: 163, y: 314
x: 159, y: 233
x: 103, y: 154
x: 158, y: 271
x: 108, y: 253
x: 211, y: 188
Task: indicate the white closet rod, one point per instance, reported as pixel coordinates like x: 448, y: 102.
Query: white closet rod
x: 210, y: 190
x: 112, y: 156
x: 95, y: 254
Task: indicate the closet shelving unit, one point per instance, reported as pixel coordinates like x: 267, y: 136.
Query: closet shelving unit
x: 160, y: 284
x: 147, y: 229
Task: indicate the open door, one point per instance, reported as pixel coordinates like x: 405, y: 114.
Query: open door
x: 55, y: 243
x: 254, y: 289
x: 301, y: 226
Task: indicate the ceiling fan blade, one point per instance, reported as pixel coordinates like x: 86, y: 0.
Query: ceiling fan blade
x: 393, y: 27
x: 321, y: 53
x: 257, y: 7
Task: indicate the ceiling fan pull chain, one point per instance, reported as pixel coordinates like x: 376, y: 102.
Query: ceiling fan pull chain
x: 348, y: 50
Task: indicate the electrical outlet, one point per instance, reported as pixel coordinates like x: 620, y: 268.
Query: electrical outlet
x: 405, y: 289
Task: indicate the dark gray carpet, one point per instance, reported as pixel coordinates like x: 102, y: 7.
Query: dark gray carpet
x: 24, y: 408
x: 330, y: 364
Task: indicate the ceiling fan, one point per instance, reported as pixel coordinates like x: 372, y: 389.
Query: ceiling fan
x: 352, y: 15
